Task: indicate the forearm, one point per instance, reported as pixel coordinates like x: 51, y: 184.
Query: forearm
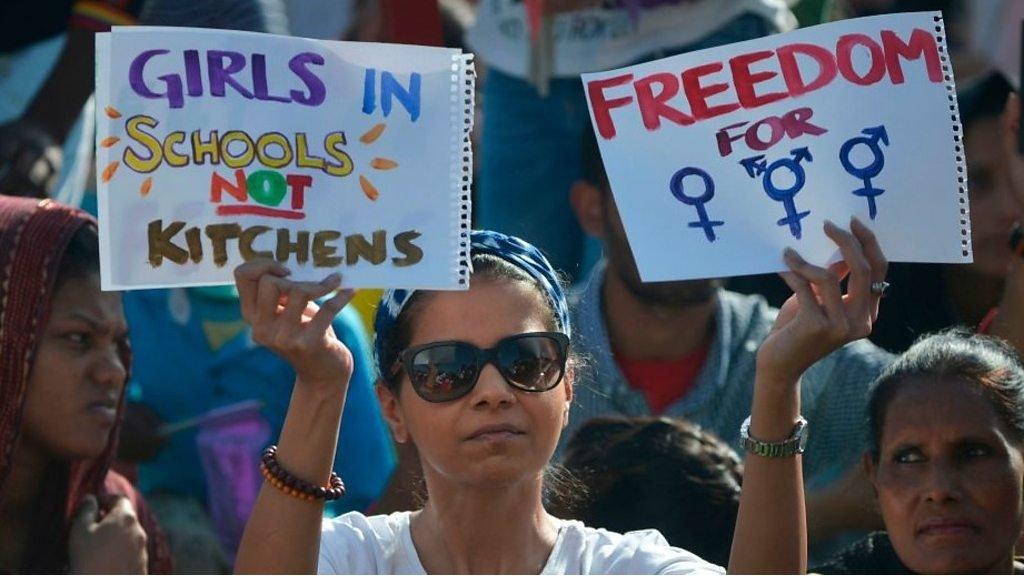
x: 1009, y: 323
x: 59, y: 102
x: 771, y: 530
x: 283, y: 533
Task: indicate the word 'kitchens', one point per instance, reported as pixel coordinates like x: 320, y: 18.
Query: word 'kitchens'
x: 300, y: 247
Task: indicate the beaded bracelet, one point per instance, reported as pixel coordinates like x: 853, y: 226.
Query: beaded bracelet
x: 284, y: 481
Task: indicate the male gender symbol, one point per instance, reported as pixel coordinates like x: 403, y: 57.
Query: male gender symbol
x: 874, y: 139
x: 758, y: 166
x: 698, y: 202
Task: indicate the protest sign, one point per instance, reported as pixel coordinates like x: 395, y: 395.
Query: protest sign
x: 719, y: 159
x: 218, y: 147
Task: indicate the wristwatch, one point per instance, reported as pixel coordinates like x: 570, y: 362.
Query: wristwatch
x: 791, y: 446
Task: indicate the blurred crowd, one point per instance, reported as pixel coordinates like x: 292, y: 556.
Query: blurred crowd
x: 929, y: 408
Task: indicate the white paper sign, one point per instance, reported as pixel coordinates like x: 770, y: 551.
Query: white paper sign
x: 720, y: 159
x: 216, y: 147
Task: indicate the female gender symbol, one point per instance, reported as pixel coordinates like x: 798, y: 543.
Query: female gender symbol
x: 676, y: 186
x: 757, y: 166
x: 871, y: 140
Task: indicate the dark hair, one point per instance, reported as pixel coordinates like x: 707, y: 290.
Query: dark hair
x: 990, y: 366
x: 984, y: 98
x: 485, y: 267
x: 81, y: 258
x: 659, y: 473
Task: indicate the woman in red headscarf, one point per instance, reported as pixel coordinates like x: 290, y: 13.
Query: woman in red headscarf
x: 64, y: 358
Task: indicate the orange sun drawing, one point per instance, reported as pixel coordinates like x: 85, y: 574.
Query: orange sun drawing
x: 369, y: 137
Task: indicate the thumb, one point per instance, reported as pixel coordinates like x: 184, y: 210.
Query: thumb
x: 87, y: 512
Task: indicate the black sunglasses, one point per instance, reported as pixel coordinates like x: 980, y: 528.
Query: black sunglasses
x: 445, y: 371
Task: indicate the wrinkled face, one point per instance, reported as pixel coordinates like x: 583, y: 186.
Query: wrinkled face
x: 77, y: 377
x: 993, y: 210
x: 622, y: 263
x: 949, y: 480
x: 495, y: 434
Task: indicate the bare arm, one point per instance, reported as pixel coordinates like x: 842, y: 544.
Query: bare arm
x: 771, y: 530
x: 283, y: 533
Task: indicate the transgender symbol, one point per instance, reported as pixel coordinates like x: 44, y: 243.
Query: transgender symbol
x: 676, y: 186
x: 871, y: 140
x: 758, y: 166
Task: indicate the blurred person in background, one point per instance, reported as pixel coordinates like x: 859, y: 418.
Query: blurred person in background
x: 661, y: 473
x: 64, y: 361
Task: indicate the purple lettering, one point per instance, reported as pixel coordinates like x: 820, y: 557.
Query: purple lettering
x: 138, y: 83
x: 221, y: 74
x: 317, y: 91
x: 259, y: 80
x: 193, y: 73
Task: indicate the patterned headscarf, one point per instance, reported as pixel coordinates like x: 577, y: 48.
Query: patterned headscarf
x: 517, y: 252
x: 34, y: 236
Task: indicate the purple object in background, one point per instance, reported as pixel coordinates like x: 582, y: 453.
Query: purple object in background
x: 230, y: 449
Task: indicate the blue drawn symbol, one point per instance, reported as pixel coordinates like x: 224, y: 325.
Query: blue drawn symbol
x: 676, y: 186
x: 758, y: 166
x: 874, y: 136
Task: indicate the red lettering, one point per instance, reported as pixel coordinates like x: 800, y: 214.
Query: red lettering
x: 844, y: 57
x: 745, y: 80
x: 725, y: 140
x: 698, y: 95
x: 921, y: 43
x: 791, y: 68
x: 795, y: 123
x: 298, y: 183
x: 653, y: 107
x: 602, y: 107
x: 753, y: 137
x: 238, y: 190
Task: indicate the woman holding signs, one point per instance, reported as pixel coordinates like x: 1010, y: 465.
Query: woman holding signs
x: 481, y: 382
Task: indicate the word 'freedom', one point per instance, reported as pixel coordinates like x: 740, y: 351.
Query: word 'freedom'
x: 657, y: 95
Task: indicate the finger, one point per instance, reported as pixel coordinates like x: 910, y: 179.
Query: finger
x: 271, y: 289
x: 122, y: 512
x: 824, y: 282
x: 840, y: 269
x: 859, y: 286
x: 86, y: 514
x: 328, y: 311
x: 876, y: 258
x: 247, y: 278
x: 806, y: 299
x: 301, y: 293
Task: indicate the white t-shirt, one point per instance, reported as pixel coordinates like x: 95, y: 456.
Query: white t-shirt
x: 357, y: 544
x: 602, y: 38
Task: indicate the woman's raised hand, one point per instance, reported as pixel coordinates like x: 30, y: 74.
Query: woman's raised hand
x: 285, y: 319
x: 819, y: 318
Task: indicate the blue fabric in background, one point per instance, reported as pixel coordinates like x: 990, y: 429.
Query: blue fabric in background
x: 177, y: 374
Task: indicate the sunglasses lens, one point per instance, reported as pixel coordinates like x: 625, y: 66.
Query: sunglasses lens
x: 443, y: 372
x: 532, y: 363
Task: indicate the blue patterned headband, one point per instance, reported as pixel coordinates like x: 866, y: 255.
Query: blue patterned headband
x: 509, y: 248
